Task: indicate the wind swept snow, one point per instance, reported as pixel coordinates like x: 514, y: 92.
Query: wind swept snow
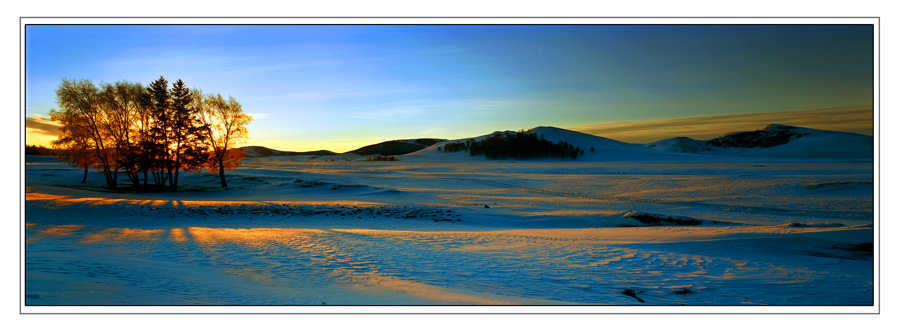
x: 428, y: 230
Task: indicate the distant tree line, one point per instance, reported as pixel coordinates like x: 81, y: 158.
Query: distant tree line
x: 520, y: 145
x: 148, y: 134
x: 757, y: 139
x: 390, y: 158
x: 38, y: 150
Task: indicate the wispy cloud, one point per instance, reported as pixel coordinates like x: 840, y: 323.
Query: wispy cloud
x: 259, y: 115
x: 41, y: 126
x: 857, y: 119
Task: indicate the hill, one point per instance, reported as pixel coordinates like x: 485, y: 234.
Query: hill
x: 773, y: 141
x: 551, y: 143
x: 259, y: 151
x: 589, y: 147
x: 680, y: 145
x: 395, y: 147
x: 776, y: 141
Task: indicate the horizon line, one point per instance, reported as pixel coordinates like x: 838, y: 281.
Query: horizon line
x: 854, y: 119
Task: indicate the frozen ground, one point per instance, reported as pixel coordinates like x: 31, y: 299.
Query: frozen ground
x: 294, y: 232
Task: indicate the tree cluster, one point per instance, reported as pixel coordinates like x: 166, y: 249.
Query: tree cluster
x: 38, y: 150
x: 756, y: 139
x: 520, y: 145
x: 453, y: 147
x: 149, y: 134
x: 390, y: 158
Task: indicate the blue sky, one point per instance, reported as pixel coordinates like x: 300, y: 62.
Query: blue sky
x: 340, y: 87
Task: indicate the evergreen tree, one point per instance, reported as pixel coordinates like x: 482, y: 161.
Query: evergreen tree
x: 150, y: 130
x: 189, y: 144
x: 159, y: 134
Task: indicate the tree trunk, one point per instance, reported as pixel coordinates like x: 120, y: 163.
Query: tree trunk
x: 110, y: 181
x: 135, y: 180
x: 222, y: 175
x: 175, y: 181
x: 84, y: 179
x: 159, y: 178
x: 171, y: 185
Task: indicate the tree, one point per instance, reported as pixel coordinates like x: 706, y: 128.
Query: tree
x: 226, y: 128
x: 189, y: 142
x: 38, y: 150
x: 156, y: 143
x: 73, y: 142
x: 81, y: 110
x: 122, y: 104
x: 147, y: 130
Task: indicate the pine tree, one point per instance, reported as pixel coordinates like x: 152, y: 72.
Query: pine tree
x: 157, y: 141
x: 189, y: 144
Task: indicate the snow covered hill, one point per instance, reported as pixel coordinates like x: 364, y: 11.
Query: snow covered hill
x: 593, y: 148
x: 395, y: 147
x: 773, y: 141
x: 259, y: 151
x: 680, y: 145
x: 776, y: 141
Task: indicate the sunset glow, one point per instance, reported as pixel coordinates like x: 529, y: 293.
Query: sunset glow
x: 340, y: 87
x: 665, y: 166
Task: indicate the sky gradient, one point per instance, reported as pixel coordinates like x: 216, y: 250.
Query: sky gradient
x: 340, y: 87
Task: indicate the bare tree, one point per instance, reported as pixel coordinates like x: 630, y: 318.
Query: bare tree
x: 79, y: 103
x: 122, y: 102
x: 136, y: 130
x: 227, y: 128
x: 74, y: 141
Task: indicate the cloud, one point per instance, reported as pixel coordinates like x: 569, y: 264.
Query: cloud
x: 857, y: 119
x: 37, y: 125
x: 257, y: 116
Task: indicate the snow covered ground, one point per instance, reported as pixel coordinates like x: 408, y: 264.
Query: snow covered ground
x: 428, y: 230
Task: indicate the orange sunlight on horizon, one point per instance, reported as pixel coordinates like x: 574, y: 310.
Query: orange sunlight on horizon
x: 855, y: 119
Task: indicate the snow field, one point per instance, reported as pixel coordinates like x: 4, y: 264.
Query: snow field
x: 423, y: 232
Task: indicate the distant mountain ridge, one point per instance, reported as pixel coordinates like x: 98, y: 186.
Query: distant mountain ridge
x: 387, y: 148
x: 592, y: 148
x: 773, y: 141
x: 396, y: 147
x: 260, y: 151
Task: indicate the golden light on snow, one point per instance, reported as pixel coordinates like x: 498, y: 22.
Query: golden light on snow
x: 177, y: 235
x: 123, y: 235
x: 271, y: 248
x: 256, y: 238
x: 61, y: 230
